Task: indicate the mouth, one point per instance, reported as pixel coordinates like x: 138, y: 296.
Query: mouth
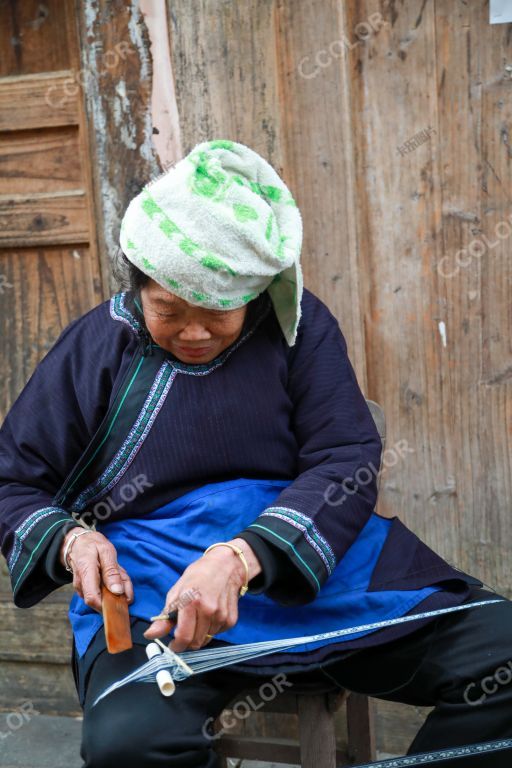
x: 194, y: 351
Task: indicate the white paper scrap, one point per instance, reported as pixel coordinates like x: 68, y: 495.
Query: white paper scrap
x: 500, y: 11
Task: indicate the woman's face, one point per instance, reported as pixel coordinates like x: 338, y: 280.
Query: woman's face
x: 193, y: 334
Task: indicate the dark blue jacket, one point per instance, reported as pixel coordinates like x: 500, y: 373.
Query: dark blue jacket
x: 261, y: 409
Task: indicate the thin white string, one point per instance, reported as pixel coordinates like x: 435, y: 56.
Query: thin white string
x: 216, y: 658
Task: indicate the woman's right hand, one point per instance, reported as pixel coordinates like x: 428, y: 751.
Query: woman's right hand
x: 94, y: 561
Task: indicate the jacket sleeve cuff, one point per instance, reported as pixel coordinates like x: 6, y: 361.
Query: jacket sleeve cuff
x: 280, y: 580
x: 298, y: 539
x: 54, y: 569
x: 32, y: 565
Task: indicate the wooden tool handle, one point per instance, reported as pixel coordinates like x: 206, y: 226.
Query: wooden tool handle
x: 117, y: 621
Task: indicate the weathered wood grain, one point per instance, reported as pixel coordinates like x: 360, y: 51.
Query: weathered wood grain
x: 37, y: 634
x: 458, y: 304
x: 317, y: 737
x: 38, y: 101
x: 43, y: 218
x: 436, y: 71
x: 34, y: 36
x: 43, y: 291
x: 225, y: 68
x: 40, y: 161
x: 316, y: 135
x: 118, y: 103
x: 399, y: 205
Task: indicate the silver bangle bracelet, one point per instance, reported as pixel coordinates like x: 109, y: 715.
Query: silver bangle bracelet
x: 69, y: 544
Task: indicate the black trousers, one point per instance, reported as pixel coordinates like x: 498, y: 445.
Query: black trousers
x: 460, y: 664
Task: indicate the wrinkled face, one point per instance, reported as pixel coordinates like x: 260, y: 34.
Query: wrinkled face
x: 193, y: 334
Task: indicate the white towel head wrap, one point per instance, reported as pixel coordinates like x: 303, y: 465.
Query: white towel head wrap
x: 217, y: 229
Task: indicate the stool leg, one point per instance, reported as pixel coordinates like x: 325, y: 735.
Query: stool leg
x: 316, y: 732
x: 360, y: 727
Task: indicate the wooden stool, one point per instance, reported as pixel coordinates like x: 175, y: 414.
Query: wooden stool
x: 315, y: 708
x: 317, y: 734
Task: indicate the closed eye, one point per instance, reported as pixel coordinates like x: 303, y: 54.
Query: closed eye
x: 166, y: 315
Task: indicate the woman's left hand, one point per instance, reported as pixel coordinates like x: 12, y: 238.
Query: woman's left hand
x: 206, y: 597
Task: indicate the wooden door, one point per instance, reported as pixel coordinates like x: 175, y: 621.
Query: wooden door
x: 50, y: 274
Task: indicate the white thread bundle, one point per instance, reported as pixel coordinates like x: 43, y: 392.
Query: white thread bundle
x: 215, y: 658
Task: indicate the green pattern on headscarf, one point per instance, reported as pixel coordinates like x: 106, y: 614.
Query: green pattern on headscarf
x: 199, y: 296
x: 221, y: 144
x: 207, y: 181
x: 148, y: 264
x: 244, y: 212
x: 213, y: 262
x: 186, y: 244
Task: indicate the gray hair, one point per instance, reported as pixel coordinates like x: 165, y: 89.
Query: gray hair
x: 126, y: 274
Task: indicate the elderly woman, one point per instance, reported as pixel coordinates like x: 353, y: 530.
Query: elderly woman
x: 201, y: 436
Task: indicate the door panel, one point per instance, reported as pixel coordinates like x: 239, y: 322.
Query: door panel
x: 50, y: 274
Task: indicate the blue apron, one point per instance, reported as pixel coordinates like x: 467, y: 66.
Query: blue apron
x: 155, y: 550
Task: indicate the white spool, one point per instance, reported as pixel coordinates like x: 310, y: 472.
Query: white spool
x: 163, y: 677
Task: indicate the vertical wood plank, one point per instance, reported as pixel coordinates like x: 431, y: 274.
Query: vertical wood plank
x: 114, y: 48
x: 361, y: 728
x: 224, y: 63
x: 431, y: 90
x: 316, y: 132
x: 394, y: 88
x: 316, y: 732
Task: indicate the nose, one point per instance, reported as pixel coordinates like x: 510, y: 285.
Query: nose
x: 194, y: 332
